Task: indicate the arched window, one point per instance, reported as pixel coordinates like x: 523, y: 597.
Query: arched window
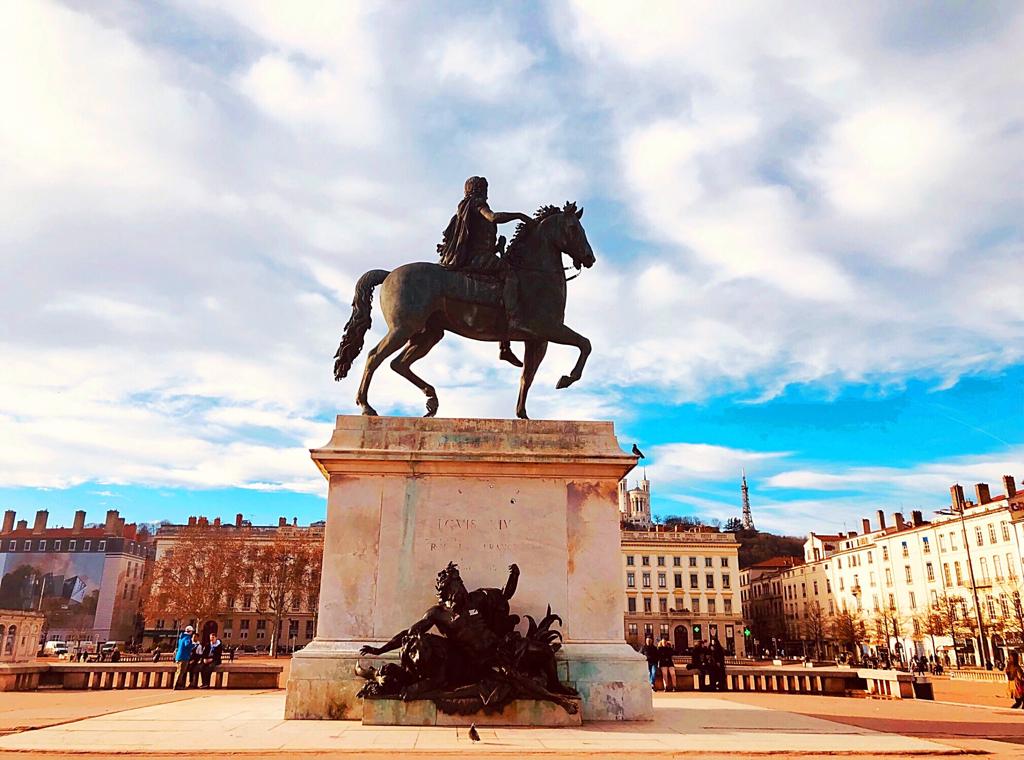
x: 9, y: 645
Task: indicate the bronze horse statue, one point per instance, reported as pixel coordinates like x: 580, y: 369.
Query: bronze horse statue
x: 421, y: 301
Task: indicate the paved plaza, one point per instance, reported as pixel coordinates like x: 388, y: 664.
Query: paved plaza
x: 250, y: 724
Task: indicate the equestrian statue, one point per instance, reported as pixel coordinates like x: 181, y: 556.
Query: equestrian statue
x: 478, y: 289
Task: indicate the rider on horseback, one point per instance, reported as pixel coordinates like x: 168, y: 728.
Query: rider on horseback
x: 471, y: 245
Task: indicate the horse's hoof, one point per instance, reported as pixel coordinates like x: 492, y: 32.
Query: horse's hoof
x: 431, y: 406
x: 564, y: 382
x: 521, y: 414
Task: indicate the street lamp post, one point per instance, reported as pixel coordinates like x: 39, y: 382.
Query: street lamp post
x: 983, y: 653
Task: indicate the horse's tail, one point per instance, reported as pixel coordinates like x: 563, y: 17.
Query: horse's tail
x: 358, y: 323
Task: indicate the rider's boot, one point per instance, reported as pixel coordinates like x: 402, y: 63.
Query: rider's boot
x: 505, y: 354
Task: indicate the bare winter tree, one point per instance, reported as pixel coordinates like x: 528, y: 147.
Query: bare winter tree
x: 282, y: 568
x: 816, y: 626
x: 849, y: 629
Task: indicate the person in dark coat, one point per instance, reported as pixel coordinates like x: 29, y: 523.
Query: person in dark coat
x: 212, y: 655
x: 195, y: 663
x: 667, y: 666
x: 717, y: 665
x: 698, y: 662
x: 650, y: 651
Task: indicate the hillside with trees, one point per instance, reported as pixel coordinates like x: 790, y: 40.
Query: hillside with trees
x: 755, y: 546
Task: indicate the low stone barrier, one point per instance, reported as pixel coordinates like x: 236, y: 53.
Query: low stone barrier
x: 827, y: 681
x: 976, y: 674
x: 112, y: 675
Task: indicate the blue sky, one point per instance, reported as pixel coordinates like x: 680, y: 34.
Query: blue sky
x: 806, y: 218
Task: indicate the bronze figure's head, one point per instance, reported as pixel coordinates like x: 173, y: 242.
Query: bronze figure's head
x: 476, y: 186
x: 451, y: 591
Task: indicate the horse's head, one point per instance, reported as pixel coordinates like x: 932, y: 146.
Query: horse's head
x: 571, y: 238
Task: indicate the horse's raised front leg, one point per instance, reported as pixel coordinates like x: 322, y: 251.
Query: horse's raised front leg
x: 390, y: 343
x: 419, y: 345
x: 566, y: 336
x: 535, y: 350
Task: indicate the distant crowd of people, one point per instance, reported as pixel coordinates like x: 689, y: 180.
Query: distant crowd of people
x: 707, y: 658
x: 195, y: 659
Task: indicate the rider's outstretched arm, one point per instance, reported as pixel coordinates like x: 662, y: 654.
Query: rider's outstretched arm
x: 500, y: 217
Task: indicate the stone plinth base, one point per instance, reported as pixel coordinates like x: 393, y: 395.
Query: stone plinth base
x: 423, y: 712
x: 408, y: 495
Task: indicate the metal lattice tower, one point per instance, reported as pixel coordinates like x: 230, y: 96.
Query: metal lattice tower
x: 748, y: 519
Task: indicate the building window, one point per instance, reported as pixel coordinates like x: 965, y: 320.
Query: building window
x: 942, y: 543
x: 727, y: 581
x: 633, y: 632
x: 959, y: 577
x: 694, y: 582
x: 648, y: 631
x: 160, y: 623
x: 930, y: 571
x: 904, y: 549
x: 709, y: 562
x: 101, y: 546
x: 696, y: 605
x: 645, y: 561
x: 711, y: 607
x: 662, y: 582
x: 693, y: 562
x: 647, y: 604
x: 677, y: 562
x: 646, y: 580
x: 885, y: 552
x: 247, y: 602
x: 27, y: 546
x: 871, y: 558
x: 727, y: 606
x: 892, y: 602
x: 56, y: 545
x: 309, y: 629
x: 1005, y: 526
x: 984, y: 569
x: 630, y: 580
x: 244, y: 625
x: 631, y: 604
x: 926, y: 546
x: 629, y: 560
x: 1011, y: 566
x: 906, y: 570
x: 661, y: 562
x: 725, y: 562
x: 42, y: 546
x: 663, y: 628
x: 888, y: 577
x: 952, y: 541
x: 991, y: 533
x: 816, y: 586
x: 12, y: 546
x: 709, y: 580
x: 678, y: 580
x: 662, y: 605
x: 871, y: 578
x: 946, y: 575
x: 979, y: 539
x: 997, y: 566
x: 913, y: 601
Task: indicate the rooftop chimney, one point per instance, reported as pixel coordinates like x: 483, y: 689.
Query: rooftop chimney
x: 119, y: 528
x: 917, y: 518
x: 295, y: 522
x: 852, y: 534
x: 203, y: 521
x: 900, y: 522
x: 216, y: 522
x: 282, y: 521
x: 982, y: 492
x: 191, y: 521
x: 865, y: 525
x: 9, y: 516
x: 238, y: 520
x: 40, y: 524
x: 1009, y: 485
x: 79, y: 525
x: 881, y: 519
x: 22, y: 525
x: 957, y: 492
x: 111, y: 522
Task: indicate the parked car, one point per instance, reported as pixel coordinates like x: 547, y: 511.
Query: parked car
x: 55, y: 649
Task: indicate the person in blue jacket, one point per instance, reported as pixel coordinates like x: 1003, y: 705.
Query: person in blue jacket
x: 182, y: 655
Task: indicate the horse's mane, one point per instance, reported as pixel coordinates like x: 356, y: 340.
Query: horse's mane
x: 514, y: 251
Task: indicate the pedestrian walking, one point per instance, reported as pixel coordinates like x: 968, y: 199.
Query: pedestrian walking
x: 1015, y: 677
x: 650, y: 651
x: 667, y: 665
x: 182, y: 657
x: 717, y: 658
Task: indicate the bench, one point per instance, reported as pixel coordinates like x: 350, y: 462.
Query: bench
x: 833, y: 681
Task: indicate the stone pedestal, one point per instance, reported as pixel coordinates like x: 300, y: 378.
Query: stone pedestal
x: 423, y: 712
x: 408, y: 495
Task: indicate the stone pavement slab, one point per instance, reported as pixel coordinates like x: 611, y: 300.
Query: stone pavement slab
x: 251, y: 723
